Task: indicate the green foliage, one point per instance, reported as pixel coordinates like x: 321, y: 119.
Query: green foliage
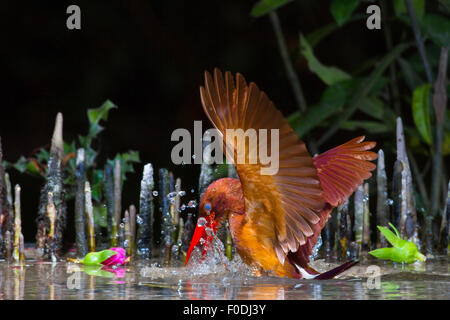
x: 96, y: 258
x: 37, y: 165
x: 126, y: 162
x: 418, y: 5
x: 402, y: 251
x: 263, y: 7
x: 342, y: 10
x: 438, y: 28
x: 421, y: 111
x: 329, y: 75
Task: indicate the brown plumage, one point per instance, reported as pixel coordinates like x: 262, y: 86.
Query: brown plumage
x: 276, y: 219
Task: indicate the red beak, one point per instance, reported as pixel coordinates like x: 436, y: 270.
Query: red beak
x: 200, y: 233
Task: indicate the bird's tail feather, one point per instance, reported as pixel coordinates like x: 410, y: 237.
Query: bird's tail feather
x: 336, y: 271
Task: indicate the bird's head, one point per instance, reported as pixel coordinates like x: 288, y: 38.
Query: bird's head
x: 222, y: 197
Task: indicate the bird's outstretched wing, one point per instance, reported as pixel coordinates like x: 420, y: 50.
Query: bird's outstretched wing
x: 284, y: 206
x: 342, y: 169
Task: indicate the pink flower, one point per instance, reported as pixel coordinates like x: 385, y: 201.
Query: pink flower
x: 119, y: 258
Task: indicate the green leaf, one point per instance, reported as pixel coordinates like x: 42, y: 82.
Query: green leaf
x: 333, y: 99
x: 395, y: 230
x: 25, y: 166
x: 342, y: 10
x: 43, y: 155
x: 329, y: 75
x: 263, y: 7
x: 363, y: 90
x: 409, y: 74
x: 390, y: 236
x: 100, y: 113
x: 383, y: 253
x: 438, y: 28
x: 421, y: 111
x: 370, y: 126
x: 418, y: 5
x: 100, y: 216
x: 373, y: 107
x: 319, y: 34
x: 96, y: 258
x: 126, y: 162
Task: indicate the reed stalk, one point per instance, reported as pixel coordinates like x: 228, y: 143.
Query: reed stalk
x: 359, y: 217
x: 17, y: 224
x: 342, y: 238
x: 51, y: 214
x: 166, y: 217
x: 145, y: 217
x: 54, y: 185
x: 132, y: 212
x: 89, y: 216
x: 180, y: 236
x: 21, y: 249
x: 80, y: 223
x: 366, y: 219
x: 439, y: 103
x: 409, y: 215
x: 397, y: 192
x: 188, y: 232
x: 8, y: 246
x: 382, y: 199
x: 229, y: 243
x: 127, y: 231
x: 117, y: 204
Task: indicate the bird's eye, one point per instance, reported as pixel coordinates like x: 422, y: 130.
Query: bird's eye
x: 207, y: 207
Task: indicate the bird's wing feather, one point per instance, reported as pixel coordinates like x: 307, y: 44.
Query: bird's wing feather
x: 342, y: 169
x: 285, y: 205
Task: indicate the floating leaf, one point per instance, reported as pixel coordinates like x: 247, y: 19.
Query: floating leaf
x: 342, y: 10
x: 421, y: 111
x: 96, y: 258
x: 329, y: 75
x: 263, y: 7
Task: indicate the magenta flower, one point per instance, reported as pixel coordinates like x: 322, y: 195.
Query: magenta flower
x: 119, y: 258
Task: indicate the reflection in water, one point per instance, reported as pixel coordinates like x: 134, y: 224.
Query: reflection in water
x: 53, y: 281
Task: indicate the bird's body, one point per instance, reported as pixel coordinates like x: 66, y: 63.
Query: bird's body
x: 275, y: 220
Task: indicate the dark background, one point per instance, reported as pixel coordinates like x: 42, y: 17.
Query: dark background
x: 148, y: 57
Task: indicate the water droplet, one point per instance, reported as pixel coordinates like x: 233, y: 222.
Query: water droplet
x: 193, y: 156
x: 192, y: 204
x: 172, y: 195
x: 389, y: 202
x: 201, y: 222
x: 182, y: 193
x: 155, y: 193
